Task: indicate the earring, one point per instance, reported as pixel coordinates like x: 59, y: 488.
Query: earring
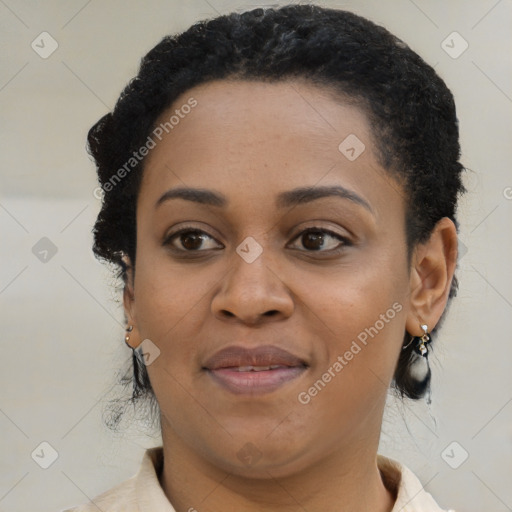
x: 127, y: 337
x: 420, y: 346
x: 419, y: 368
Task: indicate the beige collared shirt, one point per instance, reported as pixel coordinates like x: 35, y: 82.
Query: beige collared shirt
x: 143, y: 493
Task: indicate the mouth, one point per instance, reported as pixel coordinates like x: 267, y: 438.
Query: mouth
x: 254, y: 371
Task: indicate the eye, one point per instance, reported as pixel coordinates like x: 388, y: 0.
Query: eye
x: 322, y: 240
x: 190, y: 240
x: 313, y: 239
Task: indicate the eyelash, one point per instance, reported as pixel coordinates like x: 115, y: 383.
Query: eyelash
x: 345, y: 242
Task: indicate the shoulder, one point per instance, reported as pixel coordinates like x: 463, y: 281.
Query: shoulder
x: 411, y: 495
x: 139, y: 493
x: 121, y: 497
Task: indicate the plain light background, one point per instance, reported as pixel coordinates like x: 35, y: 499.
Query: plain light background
x: 61, y: 322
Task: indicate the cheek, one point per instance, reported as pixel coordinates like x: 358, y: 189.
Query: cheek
x: 362, y: 314
x: 348, y: 387
x: 173, y: 302
x: 170, y: 312
x: 354, y: 299
x: 168, y: 301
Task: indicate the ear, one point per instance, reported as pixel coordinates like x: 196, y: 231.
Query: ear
x: 432, y: 268
x: 129, y: 297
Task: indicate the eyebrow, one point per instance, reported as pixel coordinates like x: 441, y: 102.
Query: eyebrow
x: 293, y: 197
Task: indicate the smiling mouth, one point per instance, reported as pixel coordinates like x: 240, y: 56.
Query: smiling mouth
x: 257, y: 370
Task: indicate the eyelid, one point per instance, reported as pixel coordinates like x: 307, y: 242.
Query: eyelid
x: 322, y: 225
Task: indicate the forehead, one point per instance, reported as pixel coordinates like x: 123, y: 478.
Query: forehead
x: 228, y: 112
x: 261, y: 137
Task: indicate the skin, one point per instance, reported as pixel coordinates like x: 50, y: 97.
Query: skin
x: 250, y: 141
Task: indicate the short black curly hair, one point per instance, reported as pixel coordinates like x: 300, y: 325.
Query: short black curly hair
x: 410, y: 109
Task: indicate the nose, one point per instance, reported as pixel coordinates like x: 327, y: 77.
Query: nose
x: 252, y: 293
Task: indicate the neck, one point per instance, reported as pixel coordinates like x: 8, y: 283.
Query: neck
x: 347, y: 480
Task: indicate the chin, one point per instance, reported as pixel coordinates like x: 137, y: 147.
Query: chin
x: 261, y: 460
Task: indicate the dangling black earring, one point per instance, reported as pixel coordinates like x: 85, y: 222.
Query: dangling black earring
x: 419, y: 365
x: 138, y: 364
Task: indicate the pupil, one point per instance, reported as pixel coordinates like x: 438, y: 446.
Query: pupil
x: 314, y: 237
x: 189, y: 239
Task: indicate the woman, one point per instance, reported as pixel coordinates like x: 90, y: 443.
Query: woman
x: 280, y: 191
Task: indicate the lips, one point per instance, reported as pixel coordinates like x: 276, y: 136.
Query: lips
x: 254, y: 371
x: 262, y: 357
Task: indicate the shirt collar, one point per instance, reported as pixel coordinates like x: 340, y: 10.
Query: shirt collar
x: 410, y: 494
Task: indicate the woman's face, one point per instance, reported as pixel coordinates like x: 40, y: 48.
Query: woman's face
x: 245, y: 273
